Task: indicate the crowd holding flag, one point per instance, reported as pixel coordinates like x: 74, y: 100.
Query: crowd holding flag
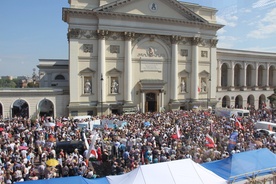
x: 92, y: 152
x: 210, y: 143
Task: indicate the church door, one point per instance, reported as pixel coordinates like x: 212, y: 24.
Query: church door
x: 151, y: 103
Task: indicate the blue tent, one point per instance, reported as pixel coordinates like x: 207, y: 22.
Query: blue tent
x: 241, y: 166
x: 73, y: 179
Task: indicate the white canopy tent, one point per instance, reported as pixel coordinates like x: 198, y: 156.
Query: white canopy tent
x: 173, y: 172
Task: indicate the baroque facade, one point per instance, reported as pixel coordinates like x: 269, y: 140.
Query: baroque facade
x: 145, y: 55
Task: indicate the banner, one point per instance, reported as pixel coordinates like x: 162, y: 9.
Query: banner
x: 232, y: 141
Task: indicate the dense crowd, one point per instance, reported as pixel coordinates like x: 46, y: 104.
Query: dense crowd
x: 147, y: 138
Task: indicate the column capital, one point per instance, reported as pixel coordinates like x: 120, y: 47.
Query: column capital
x: 74, y: 33
x: 175, y: 39
x: 102, y: 34
x: 129, y: 35
x: 196, y: 40
x: 213, y: 42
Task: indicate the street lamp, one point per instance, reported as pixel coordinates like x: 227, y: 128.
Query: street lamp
x: 102, y: 94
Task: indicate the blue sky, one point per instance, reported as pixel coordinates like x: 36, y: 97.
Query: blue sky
x: 33, y: 30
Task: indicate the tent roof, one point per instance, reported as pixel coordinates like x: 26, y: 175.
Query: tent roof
x: 242, y: 165
x: 173, y: 172
x: 73, y: 179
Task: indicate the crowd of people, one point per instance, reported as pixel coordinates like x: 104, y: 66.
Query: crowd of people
x: 147, y: 138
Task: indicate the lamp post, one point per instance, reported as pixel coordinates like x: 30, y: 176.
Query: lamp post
x: 102, y: 94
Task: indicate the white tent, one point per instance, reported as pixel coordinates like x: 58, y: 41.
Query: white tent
x: 173, y: 172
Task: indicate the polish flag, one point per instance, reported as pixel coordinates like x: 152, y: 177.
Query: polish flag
x: 238, y: 125
x: 209, y: 141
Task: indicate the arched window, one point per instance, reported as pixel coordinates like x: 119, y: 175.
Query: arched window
x: 59, y: 77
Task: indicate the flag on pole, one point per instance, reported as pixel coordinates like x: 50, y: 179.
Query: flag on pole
x: 238, y: 124
x: 92, y: 149
x: 210, y: 143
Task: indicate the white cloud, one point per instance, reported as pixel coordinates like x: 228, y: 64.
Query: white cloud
x: 264, y: 3
x: 229, y: 21
x: 262, y: 49
x: 228, y: 38
x: 265, y: 27
x: 221, y: 31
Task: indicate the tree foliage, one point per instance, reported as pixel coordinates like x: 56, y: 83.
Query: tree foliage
x: 7, y: 83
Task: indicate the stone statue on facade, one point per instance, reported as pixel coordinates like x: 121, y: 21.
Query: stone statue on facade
x: 183, y: 86
x: 114, y: 86
x: 87, y: 87
x: 203, y: 86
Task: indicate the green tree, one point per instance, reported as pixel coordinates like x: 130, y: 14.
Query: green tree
x: 7, y: 83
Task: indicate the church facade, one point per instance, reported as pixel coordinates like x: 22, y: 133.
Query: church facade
x: 140, y: 55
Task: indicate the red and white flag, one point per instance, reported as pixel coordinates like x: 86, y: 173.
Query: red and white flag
x: 238, y: 124
x: 210, y: 143
x: 92, y: 151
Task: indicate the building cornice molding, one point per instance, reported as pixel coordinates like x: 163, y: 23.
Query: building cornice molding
x: 82, y: 12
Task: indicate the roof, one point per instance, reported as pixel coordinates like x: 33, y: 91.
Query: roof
x: 242, y: 165
x: 173, y: 172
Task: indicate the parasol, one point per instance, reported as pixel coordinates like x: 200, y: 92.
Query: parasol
x: 52, y: 162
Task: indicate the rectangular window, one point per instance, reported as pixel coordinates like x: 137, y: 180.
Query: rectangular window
x: 74, y: 113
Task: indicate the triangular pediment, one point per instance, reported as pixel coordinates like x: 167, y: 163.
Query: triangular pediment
x: 204, y: 73
x: 184, y: 73
x: 114, y: 71
x: 87, y: 71
x: 171, y: 9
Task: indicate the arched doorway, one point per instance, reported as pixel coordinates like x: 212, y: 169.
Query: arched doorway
x: 238, y: 102
x: 151, y: 102
x: 237, y: 75
x: 20, y: 108
x: 46, y: 108
x: 226, y: 101
x: 262, y: 101
x: 250, y: 101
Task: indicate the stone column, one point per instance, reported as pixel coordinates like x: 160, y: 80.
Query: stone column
x: 174, y: 68
x: 162, y: 98
x: 143, y: 101
x: 219, y: 74
x: 101, y: 65
x: 75, y: 82
x: 194, y: 75
x: 211, y: 89
x: 267, y: 76
x: 128, y: 68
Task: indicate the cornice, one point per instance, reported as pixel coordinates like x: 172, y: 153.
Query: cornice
x: 82, y: 12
